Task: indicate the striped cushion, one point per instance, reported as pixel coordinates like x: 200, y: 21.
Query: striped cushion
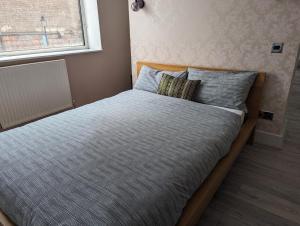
x: 177, y: 87
x: 149, y: 78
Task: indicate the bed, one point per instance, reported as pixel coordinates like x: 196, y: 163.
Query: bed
x: 133, y: 159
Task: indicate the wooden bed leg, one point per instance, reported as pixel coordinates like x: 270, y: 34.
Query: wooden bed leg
x: 252, y: 137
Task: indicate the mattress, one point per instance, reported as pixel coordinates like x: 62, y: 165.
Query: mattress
x: 132, y: 159
x: 240, y: 113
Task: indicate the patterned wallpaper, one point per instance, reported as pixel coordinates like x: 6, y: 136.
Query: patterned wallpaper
x: 236, y: 34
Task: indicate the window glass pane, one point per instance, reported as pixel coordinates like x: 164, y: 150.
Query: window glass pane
x: 40, y: 24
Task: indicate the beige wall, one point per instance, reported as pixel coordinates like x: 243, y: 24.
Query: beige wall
x: 99, y: 75
x: 235, y: 34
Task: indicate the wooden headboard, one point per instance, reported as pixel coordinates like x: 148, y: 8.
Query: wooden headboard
x: 255, y: 95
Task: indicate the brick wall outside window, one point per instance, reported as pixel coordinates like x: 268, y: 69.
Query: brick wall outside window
x: 21, y: 27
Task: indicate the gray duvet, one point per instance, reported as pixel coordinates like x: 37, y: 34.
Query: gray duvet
x: 133, y: 159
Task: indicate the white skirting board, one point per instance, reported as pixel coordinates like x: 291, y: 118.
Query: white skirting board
x: 269, y: 139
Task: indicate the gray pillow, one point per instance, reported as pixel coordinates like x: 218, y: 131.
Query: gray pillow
x: 223, y: 89
x: 149, y: 78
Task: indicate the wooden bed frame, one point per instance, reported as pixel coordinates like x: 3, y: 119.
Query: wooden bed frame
x: 201, y: 198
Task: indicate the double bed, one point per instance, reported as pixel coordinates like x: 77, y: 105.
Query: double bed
x: 137, y: 158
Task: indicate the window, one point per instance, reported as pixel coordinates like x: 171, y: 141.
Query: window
x: 35, y: 27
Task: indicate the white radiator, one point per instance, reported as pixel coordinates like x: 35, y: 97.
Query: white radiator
x: 31, y: 91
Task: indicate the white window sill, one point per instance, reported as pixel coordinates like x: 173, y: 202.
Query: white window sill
x: 46, y: 55
x: 93, y: 42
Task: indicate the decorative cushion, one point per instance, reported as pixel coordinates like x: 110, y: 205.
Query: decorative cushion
x: 223, y: 89
x: 149, y: 78
x: 177, y: 87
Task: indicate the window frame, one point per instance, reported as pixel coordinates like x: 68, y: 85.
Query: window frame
x: 91, y: 37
